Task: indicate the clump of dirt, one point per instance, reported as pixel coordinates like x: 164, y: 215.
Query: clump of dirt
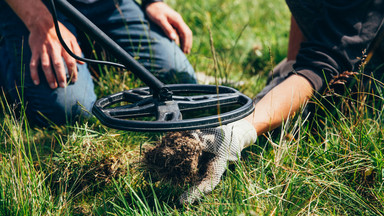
x: 178, y: 157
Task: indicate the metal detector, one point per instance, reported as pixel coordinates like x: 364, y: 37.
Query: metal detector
x: 158, y: 107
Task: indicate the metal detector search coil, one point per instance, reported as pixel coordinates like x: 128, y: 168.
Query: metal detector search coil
x: 230, y: 104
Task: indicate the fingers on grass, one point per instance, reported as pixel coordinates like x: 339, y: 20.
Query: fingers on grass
x: 215, y: 169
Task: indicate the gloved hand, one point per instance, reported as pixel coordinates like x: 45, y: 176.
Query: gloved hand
x: 226, y: 143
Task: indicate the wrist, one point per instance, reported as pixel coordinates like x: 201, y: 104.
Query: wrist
x: 145, y: 3
x: 34, y: 14
x: 41, y: 24
x: 38, y: 18
x: 245, y: 132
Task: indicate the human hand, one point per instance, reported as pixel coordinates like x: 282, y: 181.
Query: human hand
x: 48, y: 52
x: 172, y: 24
x: 226, y: 143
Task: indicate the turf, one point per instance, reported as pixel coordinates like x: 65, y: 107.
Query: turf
x: 332, y: 165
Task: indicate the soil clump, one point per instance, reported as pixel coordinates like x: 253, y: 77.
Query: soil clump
x: 178, y: 157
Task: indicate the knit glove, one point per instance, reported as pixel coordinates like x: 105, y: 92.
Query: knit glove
x: 226, y: 143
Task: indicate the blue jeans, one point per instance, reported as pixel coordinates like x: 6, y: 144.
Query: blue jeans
x: 127, y: 25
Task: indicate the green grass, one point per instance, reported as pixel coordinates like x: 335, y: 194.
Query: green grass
x: 330, y: 166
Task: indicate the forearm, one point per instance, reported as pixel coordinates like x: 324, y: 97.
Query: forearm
x: 296, y: 37
x: 34, y: 14
x: 280, y: 103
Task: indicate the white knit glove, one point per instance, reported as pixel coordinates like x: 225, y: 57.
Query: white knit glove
x: 226, y: 143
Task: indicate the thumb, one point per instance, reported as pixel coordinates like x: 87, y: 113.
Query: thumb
x: 215, y: 169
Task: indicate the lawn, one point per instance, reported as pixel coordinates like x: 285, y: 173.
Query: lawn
x: 330, y: 164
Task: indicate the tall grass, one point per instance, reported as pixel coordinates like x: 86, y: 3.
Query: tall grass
x: 328, y: 164
x: 23, y: 188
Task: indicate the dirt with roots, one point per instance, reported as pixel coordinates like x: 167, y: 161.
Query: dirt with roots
x: 178, y: 157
